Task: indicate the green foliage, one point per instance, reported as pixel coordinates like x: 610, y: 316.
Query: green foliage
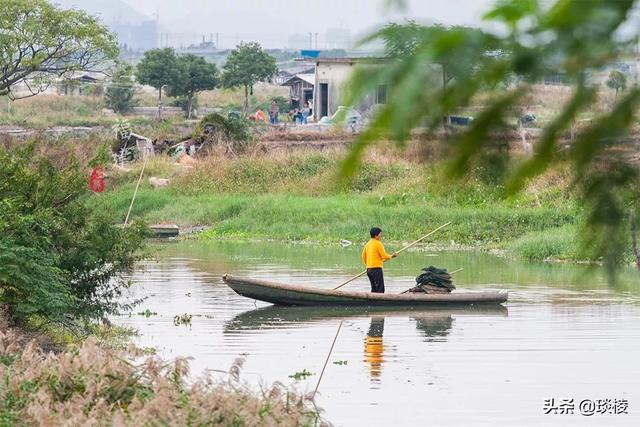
x: 121, y: 90
x: 405, y: 40
x: 553, y: 244
x: 59, y: 260
x: 197, y: 75
x: 617, y: 81
x: 571, y: 37
x: 147, y: 313
x: 301, y: 375
x: 39, y: 41
x: 184, y: 102
x: 295, y: 197
x: 234, y: 129
x: 159, y: 68
x: 246, y: 65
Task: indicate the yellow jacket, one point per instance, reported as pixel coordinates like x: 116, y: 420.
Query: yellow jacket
x: 373, y: 254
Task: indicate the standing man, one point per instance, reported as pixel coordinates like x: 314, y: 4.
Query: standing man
x: 373, y: 255
x: 274, y: 110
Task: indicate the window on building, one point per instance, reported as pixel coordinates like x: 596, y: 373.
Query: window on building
x: 381, y: 94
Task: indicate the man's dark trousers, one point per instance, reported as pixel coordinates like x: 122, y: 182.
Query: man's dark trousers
x: 377, y: 280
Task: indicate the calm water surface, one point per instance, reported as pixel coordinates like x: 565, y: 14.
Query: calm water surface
x: 564, y: 335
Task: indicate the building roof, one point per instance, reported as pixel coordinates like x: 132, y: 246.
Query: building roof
x: 354, y: 60
x: 309, y: 78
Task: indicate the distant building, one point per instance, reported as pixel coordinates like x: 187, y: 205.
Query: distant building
x: 79, y: 85
x: 281, y: 76
x: 301, y: 87
x: 139, y: 36
x: 332, y: 75
x: 134, y: 29
x: 330, y: 78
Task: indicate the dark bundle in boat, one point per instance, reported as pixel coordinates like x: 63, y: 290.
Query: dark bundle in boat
x: 433, y: 280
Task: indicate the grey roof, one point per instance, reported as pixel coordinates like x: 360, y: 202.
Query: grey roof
x: 309, y: 78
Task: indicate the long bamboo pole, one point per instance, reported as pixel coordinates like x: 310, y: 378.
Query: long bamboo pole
x: 398, y: 252
x: 313, y: 396
x: 135, y: 192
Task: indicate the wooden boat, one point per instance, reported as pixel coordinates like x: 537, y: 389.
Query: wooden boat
x: 165, y: 230
x: 282, y: 294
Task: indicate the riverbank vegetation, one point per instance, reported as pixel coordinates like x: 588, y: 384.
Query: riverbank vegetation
x: 61, y: 265
x: 89, y: 384
x: 295, y: 196
x: 60, y: 261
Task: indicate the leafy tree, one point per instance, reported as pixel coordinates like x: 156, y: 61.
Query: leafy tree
x: 403, y: 40
x: 617, y: 81
x: 571, y: 37
x: 120, y: 93
x: 197, y: 75
x: 159, y: 68
x: 59, y: 260
x: 39, y: 41
x: 247, y: 65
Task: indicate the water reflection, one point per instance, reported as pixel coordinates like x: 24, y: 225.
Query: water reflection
x: 374, y: 347
x: 435, y: 327
x: 432, y: 322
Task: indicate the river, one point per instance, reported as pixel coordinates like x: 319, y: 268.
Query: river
x: 564, y: 334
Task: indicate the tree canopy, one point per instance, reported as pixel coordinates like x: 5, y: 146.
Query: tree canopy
x: 617, y: 81
x: 534, y: 38
x: 159, y: 68
x: 120, y: 92
x: 39, y: 41
x: 247, y: 65
x: 197, y: 75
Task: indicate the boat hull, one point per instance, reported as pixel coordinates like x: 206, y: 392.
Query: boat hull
x: 291, y: 295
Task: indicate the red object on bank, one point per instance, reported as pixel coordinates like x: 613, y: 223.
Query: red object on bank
x: 96, y: 181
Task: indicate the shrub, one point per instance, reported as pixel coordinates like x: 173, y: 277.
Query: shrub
x: 120, y: 93
x: 59, y: 260
x: 234, y: 131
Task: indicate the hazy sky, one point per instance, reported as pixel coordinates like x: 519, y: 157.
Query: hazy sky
x: 272, y: 22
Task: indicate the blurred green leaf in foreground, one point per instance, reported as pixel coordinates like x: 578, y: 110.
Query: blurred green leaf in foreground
x: 434, y: 71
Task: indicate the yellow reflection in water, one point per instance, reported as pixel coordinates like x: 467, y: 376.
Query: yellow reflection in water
x: 374, y: 347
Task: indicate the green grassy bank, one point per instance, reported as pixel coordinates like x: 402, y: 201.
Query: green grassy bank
x: 295, y: 197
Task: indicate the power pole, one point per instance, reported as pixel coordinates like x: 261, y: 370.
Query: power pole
x: 217, y: 41
x: 316, y: 34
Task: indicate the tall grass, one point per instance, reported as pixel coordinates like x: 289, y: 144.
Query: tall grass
x: 558, y: 244
x: 44, y: 111
x: 91, y: 385
x: 297, y: 197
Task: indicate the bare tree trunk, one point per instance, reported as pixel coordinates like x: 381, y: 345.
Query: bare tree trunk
x: 189, y: 105
x: 160, y: 103
x: 246, y: 100
x: 634, y: 237
x: 445, y: 120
